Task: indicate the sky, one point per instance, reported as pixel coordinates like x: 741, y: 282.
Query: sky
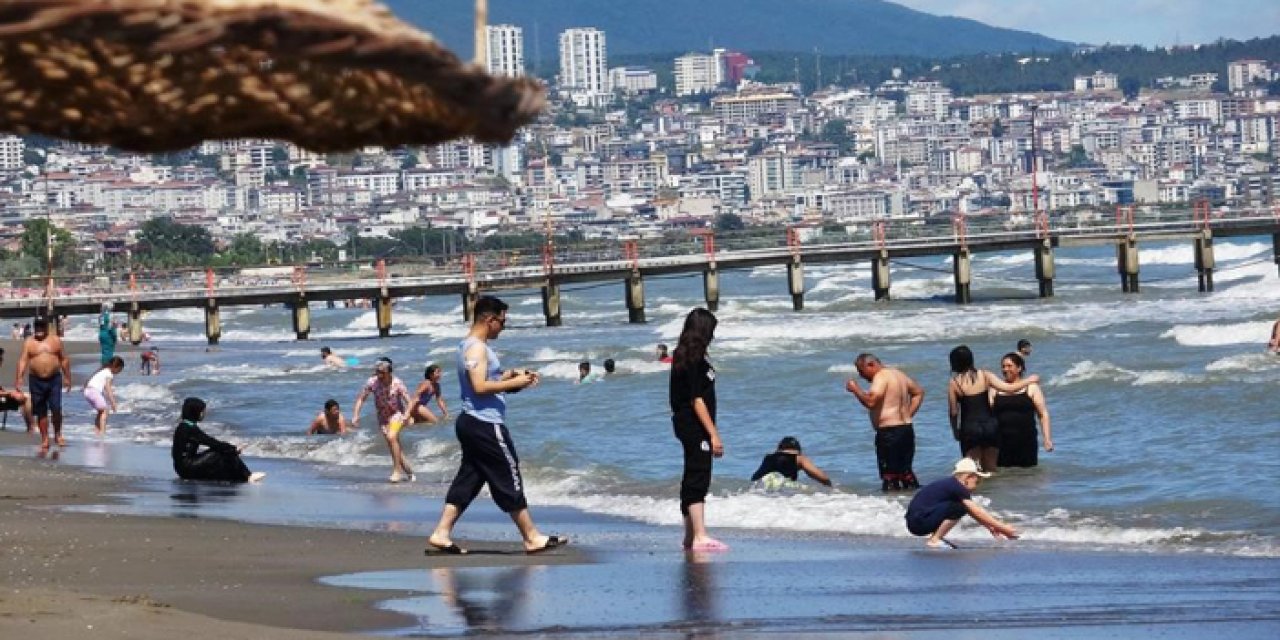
x: 1145, y: 22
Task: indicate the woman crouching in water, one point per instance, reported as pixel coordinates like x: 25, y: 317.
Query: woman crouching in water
x: 218, y: 461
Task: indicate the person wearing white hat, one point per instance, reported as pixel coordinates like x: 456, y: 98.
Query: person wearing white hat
x: 936, y: 508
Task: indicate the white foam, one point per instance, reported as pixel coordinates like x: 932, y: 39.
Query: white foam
x: 1182, y: 254
x: 824, y: 511
x: 1212, y: 335
x: 1251, y: 362
x: 1088, y: 370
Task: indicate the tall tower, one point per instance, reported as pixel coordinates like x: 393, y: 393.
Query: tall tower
x: 584, y: 67
x: 505, y: 45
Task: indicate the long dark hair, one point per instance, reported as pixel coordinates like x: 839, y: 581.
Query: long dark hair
x: 961, y: 359
x: 699, y: 328
x: 193, y: 409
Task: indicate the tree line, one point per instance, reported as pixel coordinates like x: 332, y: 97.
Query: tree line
x: 1137, y: 67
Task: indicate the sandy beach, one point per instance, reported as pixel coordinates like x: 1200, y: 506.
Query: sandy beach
x: 77, y: 575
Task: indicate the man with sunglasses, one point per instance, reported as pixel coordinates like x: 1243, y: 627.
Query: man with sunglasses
x: 488, y: 455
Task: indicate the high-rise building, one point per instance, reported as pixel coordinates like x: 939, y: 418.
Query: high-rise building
x: 1242, y: 73
x: 697, y: 73
x: 505, y: 50
x: 584, y: 69
x: 12, y: 150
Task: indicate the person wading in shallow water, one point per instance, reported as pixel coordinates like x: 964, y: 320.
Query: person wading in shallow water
x: 892, y: 401
x: 488, y: 454
x: 46, y: 360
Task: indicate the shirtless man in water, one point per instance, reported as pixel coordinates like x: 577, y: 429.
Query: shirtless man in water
x: 1274, y: 345
x: 46, y: 360
x: 892, y: 400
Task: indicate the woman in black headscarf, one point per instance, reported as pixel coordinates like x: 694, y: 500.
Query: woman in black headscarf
x: 218, y: 461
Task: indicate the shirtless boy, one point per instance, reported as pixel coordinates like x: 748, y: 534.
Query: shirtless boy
x: 892, y: 400
x: 43, y: 356
x: 330, y: 421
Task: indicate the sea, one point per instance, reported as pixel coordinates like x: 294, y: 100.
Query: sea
x: 1165, y: 404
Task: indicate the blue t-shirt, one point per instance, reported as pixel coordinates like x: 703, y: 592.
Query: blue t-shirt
x: 938, y: 492
x: 491, y: 407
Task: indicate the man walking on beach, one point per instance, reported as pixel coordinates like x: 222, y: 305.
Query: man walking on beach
x: 938, y: 507
x: 488, y: 455
x: 892, y: 401
x: 43, y: 355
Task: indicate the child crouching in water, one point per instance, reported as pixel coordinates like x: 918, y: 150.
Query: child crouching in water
x: 101, y: 394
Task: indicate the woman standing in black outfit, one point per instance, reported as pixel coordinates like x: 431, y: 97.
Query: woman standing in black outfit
x: 692, y: 393
x: 1016, y: 414
x: 219, y: 461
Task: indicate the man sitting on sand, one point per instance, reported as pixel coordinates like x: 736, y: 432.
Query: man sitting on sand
x: 10, y: 400
x: 938, y: 507
x: 330, y: 421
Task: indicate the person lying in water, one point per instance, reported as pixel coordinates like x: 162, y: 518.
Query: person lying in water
x: 785, y: 464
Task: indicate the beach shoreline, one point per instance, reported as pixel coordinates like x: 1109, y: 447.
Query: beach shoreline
x: 75, y: 567
x: 159, y: 577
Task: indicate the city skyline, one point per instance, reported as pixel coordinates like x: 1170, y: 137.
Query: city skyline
x: 1143, y: 22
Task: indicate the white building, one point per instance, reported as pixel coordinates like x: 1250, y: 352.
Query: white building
x: 505, y: 55
x: 696, y: 73
x: 1099, y: 81
x: 633, y: 79
x: 11, y: 150
x: 1242, y: 73
x: 584, y: 69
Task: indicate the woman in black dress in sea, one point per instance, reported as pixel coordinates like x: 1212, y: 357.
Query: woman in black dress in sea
x: 1016, y: 414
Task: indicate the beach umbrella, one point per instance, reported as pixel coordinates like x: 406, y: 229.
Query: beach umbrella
x: 163, y: 75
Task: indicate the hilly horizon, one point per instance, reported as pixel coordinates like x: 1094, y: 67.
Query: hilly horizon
x: 873, y: 27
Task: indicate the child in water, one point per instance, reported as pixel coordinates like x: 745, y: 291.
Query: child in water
x: 100, y: 392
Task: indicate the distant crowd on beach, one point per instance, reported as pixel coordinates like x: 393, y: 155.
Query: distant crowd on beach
x: 998, y: 420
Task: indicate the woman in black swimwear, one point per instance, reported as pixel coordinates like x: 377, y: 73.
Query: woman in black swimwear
x: 1016, y: 414
x: 218, y: 461
x: 969, y: 406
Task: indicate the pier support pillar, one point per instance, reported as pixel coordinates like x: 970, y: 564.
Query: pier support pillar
x: 1127, y: 263
x: 795, y: 283
x: 1275, y: 248
x: 551, y: 303
x: 469, y: 296
x: 711, y: 287
x: 383, y: 309
x: 212, y: 322
x: 1045, y: 268
x: 1204, y: 260
x: 135, y: 324
x: 880, y: 275
x: 962, y: 267
x: 301, y: 318
x: 635, y: 298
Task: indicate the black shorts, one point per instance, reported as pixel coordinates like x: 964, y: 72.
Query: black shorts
x: 695, y: 482
x: 46, y: 394
x: 488, y: 457
x: 895, y: 452
x: 923, y: 524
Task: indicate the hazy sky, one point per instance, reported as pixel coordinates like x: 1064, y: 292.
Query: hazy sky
x: 1146, y: 22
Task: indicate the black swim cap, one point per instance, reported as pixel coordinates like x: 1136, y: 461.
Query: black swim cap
x: 789, y: 442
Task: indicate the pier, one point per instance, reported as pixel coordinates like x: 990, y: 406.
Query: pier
x: 629, y: 265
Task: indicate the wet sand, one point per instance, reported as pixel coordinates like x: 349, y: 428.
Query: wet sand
x: 72, y: 575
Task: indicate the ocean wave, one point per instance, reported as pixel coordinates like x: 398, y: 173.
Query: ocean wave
x: 1183, y: 254
x: 1214, y: 335
x: 1250, y: 362
x: 1089, y: 371
x: 826, y: 511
